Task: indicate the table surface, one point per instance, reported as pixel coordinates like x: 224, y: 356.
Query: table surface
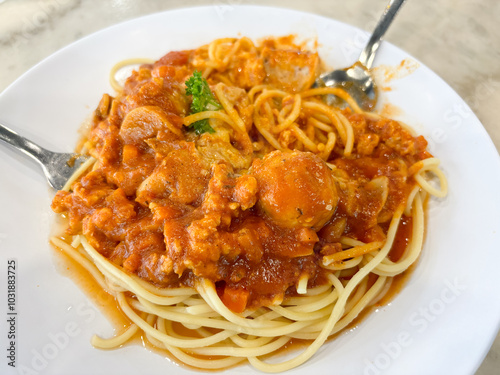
x: 459, y: 40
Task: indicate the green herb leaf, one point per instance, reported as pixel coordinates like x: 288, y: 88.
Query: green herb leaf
x: 203, y: 100
x: 201, y: 127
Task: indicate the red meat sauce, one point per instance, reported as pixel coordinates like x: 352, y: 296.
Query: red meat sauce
x: 156, y: 207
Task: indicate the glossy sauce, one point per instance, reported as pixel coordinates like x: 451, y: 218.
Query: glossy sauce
x: 109, y: 307
x: 171, y: 206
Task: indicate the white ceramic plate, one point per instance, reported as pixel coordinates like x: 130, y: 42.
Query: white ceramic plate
x: 443, y: 321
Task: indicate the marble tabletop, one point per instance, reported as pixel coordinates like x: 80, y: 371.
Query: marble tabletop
x: 457, y: 39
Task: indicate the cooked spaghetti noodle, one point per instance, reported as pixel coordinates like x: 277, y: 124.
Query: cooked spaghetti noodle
x: 285, y: 220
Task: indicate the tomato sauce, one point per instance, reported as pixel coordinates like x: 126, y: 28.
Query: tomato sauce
x: 171, y: 207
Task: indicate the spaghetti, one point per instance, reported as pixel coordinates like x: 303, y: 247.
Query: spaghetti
x: 285, y: 221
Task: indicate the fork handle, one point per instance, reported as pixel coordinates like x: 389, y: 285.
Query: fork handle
x: 368, y: 54
x: 22, y: 144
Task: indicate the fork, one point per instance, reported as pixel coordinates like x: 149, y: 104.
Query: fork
x: 57, y: 167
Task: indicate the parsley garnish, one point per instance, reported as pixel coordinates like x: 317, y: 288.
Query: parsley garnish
x: 203, y: 100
